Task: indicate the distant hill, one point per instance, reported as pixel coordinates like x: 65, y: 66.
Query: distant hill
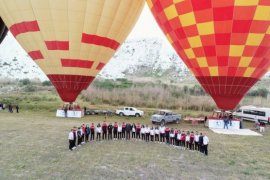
x: 135, y: 58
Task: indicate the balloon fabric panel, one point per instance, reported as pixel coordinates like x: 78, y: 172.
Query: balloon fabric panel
x: 224, y: 43
x: 70, y: 40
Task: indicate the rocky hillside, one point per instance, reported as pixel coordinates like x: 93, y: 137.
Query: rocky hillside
x: 135, y: 58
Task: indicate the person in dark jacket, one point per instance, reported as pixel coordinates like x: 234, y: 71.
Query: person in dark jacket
x: 200, y: 143
x: 226, y: 122
x: 92, y: 132
x: 138, y: 131
x: 79, y: 136
x: 17, y: 108
x: 66, y: 111
x: 123, y: 130
x: 115, y: 128
x: 75, y: 137
x: 110, y: 129
x: 104, y: 130
x: 87, y: 133
x: 128, y: 130
x: 10, y: 108
x: 230, y: 118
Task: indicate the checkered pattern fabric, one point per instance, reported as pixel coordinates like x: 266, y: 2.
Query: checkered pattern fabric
x: 225, y: 43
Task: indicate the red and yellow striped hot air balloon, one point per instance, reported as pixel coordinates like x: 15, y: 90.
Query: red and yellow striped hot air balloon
x: 225, y: 43
x: 70, y: 40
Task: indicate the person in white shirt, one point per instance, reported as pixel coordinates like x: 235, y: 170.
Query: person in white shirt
x: 75, y: 135
x: 156, y: 134
x: 71, y: 140
x: 147, y: 133
x: 98, y: 129
x: 187, y: 139
x: 172, y: 135
x: 162, y: 133
x: 152, y: 133
x: 143, y: 132
x: 133, y: 131
x: 205, y: 144
x: 119, y: 130
x: 197, y: 141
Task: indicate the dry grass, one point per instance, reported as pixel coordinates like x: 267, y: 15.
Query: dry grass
x: 34, y: 146
x: 152, y: 96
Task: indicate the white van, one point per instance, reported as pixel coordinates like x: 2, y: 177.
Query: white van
x: 252, y: 112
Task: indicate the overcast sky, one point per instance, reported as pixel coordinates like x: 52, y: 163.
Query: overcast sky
x: 146, y: 26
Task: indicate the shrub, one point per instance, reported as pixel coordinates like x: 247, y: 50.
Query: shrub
x: 29, y: 88
x: 46, y: 83
x: 262, y: 92
x: 24, y: 82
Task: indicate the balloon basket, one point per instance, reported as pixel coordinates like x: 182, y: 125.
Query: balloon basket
x: 70, y: 110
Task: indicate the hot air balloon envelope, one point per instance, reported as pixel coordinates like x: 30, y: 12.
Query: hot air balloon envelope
x: 225, y: 43
x: 70, y: 40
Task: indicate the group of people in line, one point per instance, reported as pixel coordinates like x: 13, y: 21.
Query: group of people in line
x: 127, y: 131
x: 10, y: 107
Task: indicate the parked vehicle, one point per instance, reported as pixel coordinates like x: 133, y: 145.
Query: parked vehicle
x: 253, y: 113
x: 129, y: 111
x: 90, y: 112
x: 165, y: 116
x: 98, y: 112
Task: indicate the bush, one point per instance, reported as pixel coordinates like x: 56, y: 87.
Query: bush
x: 25, y: 82
x: 46, y: 83
x: 29, y: 88
x: 262, y: 92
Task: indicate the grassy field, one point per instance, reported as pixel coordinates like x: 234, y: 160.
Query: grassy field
x: 34, y: 146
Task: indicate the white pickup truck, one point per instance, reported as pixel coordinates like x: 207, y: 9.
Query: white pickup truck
x: 129, y: 111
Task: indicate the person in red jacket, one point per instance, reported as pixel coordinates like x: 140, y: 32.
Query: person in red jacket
x: 92, y: 132
x: 115, y: 128
x: 138, y: 131
x: 175, y: 137
x: 183, y: 140
x: 191, y: 141
x: 104, y: 130
x: 167, y: 135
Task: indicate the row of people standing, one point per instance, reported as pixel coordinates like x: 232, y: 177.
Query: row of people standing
x: 161, y: 134
x: 10, y: 107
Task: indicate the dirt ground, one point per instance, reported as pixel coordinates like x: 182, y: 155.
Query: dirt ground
x: 35, y: 146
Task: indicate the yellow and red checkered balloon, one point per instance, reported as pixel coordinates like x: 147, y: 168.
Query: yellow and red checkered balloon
x: 70, y: 40
x: 225, y: 43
